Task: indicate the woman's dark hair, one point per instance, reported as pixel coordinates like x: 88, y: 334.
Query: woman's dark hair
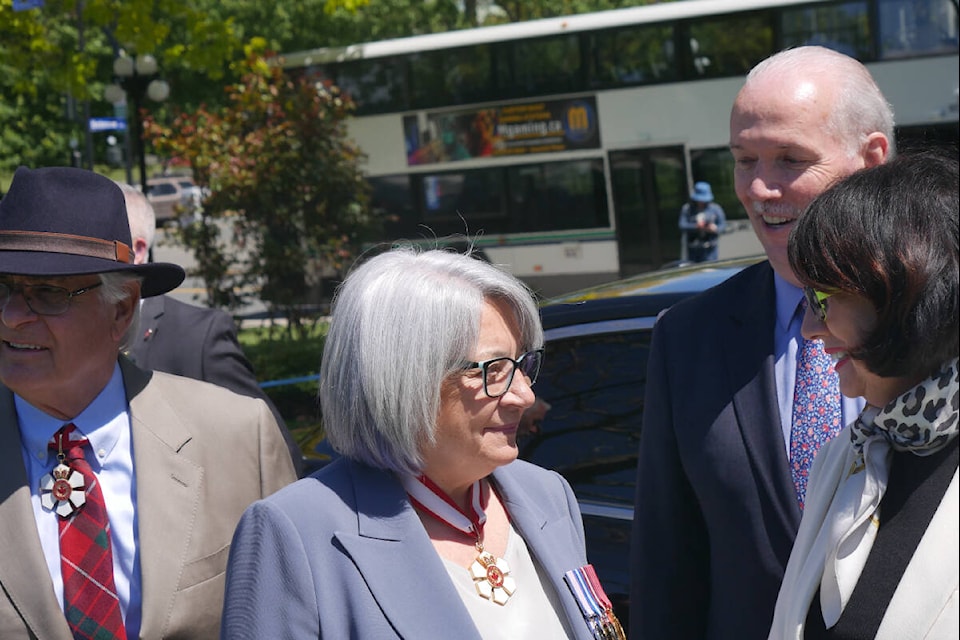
x: 890, y: 235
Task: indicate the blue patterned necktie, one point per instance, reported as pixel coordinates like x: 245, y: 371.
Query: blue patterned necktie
x: 816, y: 411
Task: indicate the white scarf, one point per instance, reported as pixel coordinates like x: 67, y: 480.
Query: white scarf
x: 921, y: 421
x: 847, y: 483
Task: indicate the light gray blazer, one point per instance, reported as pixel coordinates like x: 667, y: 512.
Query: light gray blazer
x: 202, y: 454
x: 342, y: 554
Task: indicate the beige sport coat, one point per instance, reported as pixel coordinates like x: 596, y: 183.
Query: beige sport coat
x: 201, y: 454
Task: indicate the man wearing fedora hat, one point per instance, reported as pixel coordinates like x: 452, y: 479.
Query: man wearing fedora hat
x: 119, y: 488
x: 702, y: 221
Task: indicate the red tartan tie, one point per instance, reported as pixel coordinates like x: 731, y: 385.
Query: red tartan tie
x: 90, y: 600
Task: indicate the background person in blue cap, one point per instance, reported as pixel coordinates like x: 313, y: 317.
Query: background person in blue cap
x: 702, y: 221
x: 120, y: 488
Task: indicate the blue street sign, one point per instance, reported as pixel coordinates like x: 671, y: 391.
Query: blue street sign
x: 107, y: 124
x: 24, y: 5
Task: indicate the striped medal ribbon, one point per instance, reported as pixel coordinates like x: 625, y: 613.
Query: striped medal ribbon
x: 491, y: 575
x: 594, y: 604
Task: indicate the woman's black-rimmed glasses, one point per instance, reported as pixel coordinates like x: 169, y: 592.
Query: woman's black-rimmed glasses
x: 498, y: 372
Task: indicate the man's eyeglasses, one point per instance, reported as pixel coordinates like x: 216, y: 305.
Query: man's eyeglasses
x: 42, y: 299
x: 498, y: 372
x: 815, y: 301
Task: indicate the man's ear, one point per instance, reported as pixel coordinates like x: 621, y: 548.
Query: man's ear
x: 124, y: 310
x: 141, y: 251
x: 876, y: 150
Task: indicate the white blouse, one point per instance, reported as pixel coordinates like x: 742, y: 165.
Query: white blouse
x: 533, y: 611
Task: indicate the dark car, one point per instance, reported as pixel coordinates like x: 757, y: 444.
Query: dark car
x: 594, y: 378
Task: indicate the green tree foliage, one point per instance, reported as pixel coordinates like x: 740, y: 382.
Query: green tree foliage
x: 60, y: 55
x: 286, y: 204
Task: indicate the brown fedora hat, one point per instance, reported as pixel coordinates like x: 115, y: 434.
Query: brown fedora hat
x: 61, y: 221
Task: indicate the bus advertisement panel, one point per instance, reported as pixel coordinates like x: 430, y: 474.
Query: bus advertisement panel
x: 527, y: 127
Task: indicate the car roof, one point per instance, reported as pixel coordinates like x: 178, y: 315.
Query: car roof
x: 642, y: 295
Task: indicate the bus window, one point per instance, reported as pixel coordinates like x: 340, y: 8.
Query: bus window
x: 391, y: 199
x: 918, y: 27
x: 841, y: 27
x: 557, y: 196
x: 451, y: 76
x: 542, y: 66
x: 470, y: 195
x: 715, y: 165
x: 729, y: 45
x: 376, y: 85
x: 637, y: 55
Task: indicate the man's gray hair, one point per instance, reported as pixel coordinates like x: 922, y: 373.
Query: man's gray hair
x: 115, y: 289
x: 860, y: 109
x: 402, y: 322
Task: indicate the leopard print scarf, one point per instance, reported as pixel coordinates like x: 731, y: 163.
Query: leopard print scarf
x: 923, y: 420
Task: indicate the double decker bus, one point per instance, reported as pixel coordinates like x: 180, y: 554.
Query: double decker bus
x: 565, y: 147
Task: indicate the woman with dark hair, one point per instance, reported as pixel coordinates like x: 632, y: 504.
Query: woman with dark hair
x: 877, y: 551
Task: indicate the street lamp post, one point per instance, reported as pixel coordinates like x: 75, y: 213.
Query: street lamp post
x: 135, y: 78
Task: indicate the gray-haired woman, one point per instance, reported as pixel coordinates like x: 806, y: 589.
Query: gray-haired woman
x: 428, y: 526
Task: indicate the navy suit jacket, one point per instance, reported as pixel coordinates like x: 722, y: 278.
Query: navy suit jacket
x: 200, y: 343
x: 343, y: 554
x: 716, y: 513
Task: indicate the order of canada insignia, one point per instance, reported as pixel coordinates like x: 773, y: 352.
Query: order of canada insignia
x: 62, y: 491
x: 491, y: 576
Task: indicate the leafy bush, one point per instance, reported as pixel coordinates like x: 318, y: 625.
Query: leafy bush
x: 278, y: 357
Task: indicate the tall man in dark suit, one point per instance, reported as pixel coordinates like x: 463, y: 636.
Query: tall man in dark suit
x: 120, y: 488
x: 717, y: 509
x: 196, y: 342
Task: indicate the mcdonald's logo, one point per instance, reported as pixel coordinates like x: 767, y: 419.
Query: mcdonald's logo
x: 580, y: 123
x: 578, y: 118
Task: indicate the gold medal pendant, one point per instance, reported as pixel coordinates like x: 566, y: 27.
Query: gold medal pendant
x: 491, y: 576
x: 61, y: 491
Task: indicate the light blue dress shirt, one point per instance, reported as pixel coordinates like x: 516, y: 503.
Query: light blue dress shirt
x: 106, y: 424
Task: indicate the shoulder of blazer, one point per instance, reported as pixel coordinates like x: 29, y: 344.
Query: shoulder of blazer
x: 153, y: 307
x: 743, y: 295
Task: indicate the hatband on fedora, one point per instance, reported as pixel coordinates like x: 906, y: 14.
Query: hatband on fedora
x: 702, y: 192
x: 62, y: 221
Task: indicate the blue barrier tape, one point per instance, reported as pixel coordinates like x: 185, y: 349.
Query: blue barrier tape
x: 286, y: 381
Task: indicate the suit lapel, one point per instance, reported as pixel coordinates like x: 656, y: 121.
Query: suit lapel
x: 398, y: 563
x: 151, y: 310
x: 751, y: 362
x: 24, y: 577
x: 168, y: 489
x: 545, y: 540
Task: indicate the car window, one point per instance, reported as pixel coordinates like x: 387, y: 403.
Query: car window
x: 162, y: 189
x: 594, y: 385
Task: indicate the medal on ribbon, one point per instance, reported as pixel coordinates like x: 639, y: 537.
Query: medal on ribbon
x: 491, y: 575
x: 594, y: 604
x: 62, y: 490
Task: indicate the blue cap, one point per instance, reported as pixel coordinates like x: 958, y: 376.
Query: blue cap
x: 701, y: 192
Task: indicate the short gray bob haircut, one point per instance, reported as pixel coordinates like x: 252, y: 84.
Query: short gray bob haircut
x: 402, y: 322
